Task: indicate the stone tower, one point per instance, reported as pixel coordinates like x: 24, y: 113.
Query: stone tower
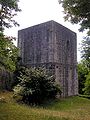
x: 54, y: 47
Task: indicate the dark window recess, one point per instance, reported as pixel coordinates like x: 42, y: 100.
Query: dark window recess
x: 56, y: 66
x: 68, y: 45
x: 47, y: 35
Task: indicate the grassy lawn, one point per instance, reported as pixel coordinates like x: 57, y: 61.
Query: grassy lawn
x: 72, y: 108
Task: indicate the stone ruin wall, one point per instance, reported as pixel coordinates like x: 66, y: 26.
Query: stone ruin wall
x: 54, y: 47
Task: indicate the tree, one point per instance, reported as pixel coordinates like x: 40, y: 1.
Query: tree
x: 8, y: 9
x: 35, y: 86
x: 77, y: 11
x: 85, y: 51
x: 82, y: 72
x: 8, y: 52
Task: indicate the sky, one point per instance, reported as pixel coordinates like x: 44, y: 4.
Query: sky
x: 39, y: 11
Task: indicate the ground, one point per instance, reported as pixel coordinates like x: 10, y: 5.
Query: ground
x: 72, y: 108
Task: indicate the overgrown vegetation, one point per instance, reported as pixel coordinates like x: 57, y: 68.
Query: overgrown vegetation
x: 82, y: 72
x: 84, y: 68
x: 8, y: 9
x: 35, y: 86
x: 73, y: 108
x: 84, y: 79
x: 8, y: 51
x: 85, y: 51
x: 87, y: 85
x: 77, y: 11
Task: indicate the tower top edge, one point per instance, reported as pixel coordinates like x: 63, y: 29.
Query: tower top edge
x: 47, y: 22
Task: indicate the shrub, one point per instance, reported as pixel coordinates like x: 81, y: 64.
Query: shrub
x: 87, y: 85
x: 36, y: 86
x: 16, y: 75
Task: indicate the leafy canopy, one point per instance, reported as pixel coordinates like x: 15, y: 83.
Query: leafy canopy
x: 77, y: 11
x: 85, y: 51
x: 8, y: 52
x: 82, y: 72
x: 8, y: 9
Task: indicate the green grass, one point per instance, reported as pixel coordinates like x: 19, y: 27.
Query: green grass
x: 72, y: 108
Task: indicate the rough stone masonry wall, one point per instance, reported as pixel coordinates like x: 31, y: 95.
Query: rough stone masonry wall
x: 6, y: 79
x: 66, y: 59
x: 52, y: 46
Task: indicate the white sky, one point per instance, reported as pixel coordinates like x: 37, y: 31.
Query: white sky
x: 39, y: 11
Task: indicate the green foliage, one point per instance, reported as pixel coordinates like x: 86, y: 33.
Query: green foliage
x: 35, y: 86
x: 85, y: 96
x: 82, y: 72
x: 85, y: 51
x: 77, y: 11
x: 8, y: 52
x: 84, y: 78
x: 87, y: 85
x: 84, y: 68
x: 8, y: 9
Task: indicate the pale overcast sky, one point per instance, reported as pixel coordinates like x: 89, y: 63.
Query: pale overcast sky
x: 39, y: 11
